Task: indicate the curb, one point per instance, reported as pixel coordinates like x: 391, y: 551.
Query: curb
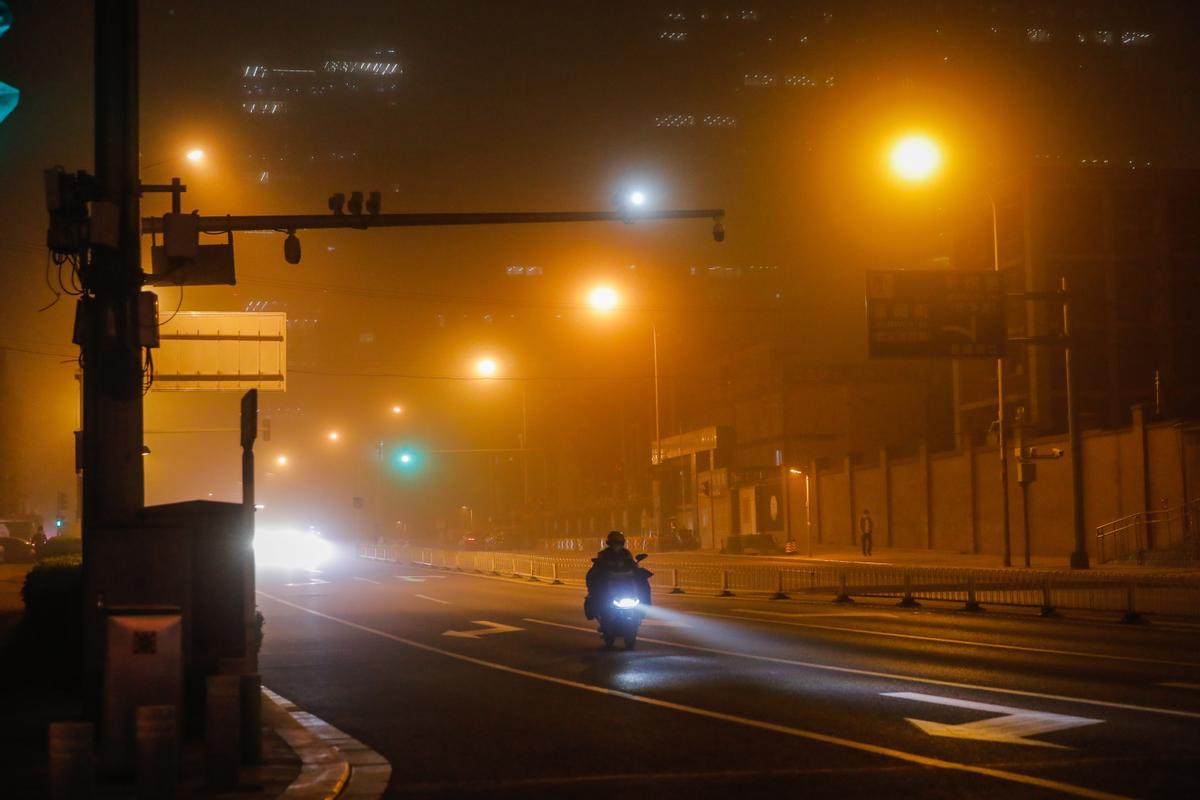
x: 333, y: 765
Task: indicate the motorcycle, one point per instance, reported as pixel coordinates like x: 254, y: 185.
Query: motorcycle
x: 622, y: 603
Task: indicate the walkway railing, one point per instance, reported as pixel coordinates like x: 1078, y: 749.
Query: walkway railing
x: 1137, y: 534
x: 1046, y: 590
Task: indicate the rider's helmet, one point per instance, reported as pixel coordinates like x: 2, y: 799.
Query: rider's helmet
x: 615, y: 539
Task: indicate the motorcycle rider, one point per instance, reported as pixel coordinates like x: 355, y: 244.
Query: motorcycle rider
x: 613, y: 558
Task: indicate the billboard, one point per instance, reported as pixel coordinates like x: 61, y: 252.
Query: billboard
x: 217, y: 351
x: 935, y: 314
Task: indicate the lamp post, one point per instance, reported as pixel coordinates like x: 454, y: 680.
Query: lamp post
x: 917, y: 158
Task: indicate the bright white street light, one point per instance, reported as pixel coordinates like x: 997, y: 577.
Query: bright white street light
x: 195, y: 155
x: 637, y: 198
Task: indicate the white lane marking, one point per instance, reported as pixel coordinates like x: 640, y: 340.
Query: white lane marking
x: 1013, y: 727
x: 800, y: 733
x: 488, y: 629
x: 944, y: 640
x: 432, y: 599
x: 1181, y: 685
x: 366, y: 580
x: 892, y: 676
x: 309, y: 582
x: 870, y: 614
x: 419, y: 578
x: 665, y: 623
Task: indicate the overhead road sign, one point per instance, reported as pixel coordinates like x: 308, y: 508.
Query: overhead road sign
x: 935, y: 314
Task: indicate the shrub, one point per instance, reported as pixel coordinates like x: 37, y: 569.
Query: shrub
x: 61, y: 546
x: 53, y: 595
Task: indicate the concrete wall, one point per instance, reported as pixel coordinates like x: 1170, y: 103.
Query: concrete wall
x: 951, y: 501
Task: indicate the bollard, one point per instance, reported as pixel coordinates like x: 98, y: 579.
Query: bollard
x: 1131, y: 613
x: 972, y: 603
x: 222, y: 742
x: 908, y: 601
x: 157, y: 759
x: 724, y: 585
x: 554, y: 573
x: 675, y: 587
x: 779, y: 593
x: 1048, y: 609
x: 72, y: 768
x: 843, y: 596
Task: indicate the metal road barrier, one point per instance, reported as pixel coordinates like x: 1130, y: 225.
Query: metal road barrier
x: 1048, y: 590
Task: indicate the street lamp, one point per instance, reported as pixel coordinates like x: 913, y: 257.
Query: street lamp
x: 333, y: 436
x: 917, y: 158
x: 486, y: 367
x: 195, y: 155
x: 281, y: 461
x: 605, y: 299
x: 397, y: 410
x: 637, y: 198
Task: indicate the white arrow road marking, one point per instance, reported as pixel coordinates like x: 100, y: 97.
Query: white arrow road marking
x: 1012, y: 728
x: 432, y: 599
x: 1181, y: 685
x: 309, y: 582
x: 419, y: 578
x: 492, y: 627
x: 366, y: 580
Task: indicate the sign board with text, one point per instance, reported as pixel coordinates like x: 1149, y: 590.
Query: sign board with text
x: 935, y: 314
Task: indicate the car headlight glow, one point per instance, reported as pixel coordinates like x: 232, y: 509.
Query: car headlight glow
x: 625, y: 602
x: 281, y: 547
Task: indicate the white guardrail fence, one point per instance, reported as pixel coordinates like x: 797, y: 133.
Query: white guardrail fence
x: 1129, y: 595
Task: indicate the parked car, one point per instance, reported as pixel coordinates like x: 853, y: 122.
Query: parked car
x: 16, y: 551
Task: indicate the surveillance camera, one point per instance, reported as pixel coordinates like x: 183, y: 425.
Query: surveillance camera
x: 291, y: 248
x: 718, y: 231
x: 355, y: 206
x: 374, y: 203
x: 337, y: 202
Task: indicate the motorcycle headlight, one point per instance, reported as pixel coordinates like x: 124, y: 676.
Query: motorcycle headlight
x: 625, y: 602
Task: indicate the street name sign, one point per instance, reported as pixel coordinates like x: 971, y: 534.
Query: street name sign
x: 935, y: 314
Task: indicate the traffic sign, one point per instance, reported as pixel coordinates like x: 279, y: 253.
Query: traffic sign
x: 935, y: 314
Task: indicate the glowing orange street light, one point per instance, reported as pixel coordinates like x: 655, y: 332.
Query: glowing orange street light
x: 486, y: 367
x: 334, y: 436
x: 603, y: 299
x: 282, y: 461
x: 397, y: 410
x: 195, y: 155
x: 915, y: 158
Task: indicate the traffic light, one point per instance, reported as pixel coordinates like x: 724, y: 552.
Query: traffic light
x: 408, y: 460
x: 9, y: 95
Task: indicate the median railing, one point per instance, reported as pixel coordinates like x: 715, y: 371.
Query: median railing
x: 1047, y: 590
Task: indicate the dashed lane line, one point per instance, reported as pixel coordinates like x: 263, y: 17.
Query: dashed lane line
x: 432, y: 599
x: 889, y: 675
x: 367, y: 580
x: 787, y: 730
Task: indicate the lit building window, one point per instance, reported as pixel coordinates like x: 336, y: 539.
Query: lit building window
x: 362, y: 67
x: 674, y: 36
x: 748, y: 15
x: 1136, y: 37
x: 1104, y: 37
x: 799, y: 80
x: 1037, y: 35
x: 676, y: 16
x: 675, y: 121
x: 758, y: 79
x: 519, y: 269
x: 265, y: 107
x: 829, y: 82
x: 720, y: 121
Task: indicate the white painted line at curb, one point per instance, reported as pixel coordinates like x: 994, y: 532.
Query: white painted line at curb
x: 334, y: 766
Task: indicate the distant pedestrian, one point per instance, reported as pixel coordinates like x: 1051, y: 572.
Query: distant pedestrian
x: 866, y: 529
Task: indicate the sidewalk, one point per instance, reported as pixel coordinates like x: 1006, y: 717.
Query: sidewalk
x: 903, y: 557
x: 303, y: 757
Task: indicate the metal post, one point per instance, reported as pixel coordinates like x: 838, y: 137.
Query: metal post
x: 657, y: 417
x: 1079, y: 558
x: 1000, y: 438
x: 675, y: 587
x: 525, y: 443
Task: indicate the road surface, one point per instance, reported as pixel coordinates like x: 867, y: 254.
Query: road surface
x: 474, y: 685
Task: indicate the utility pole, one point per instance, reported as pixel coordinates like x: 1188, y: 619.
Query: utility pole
x: 1079, y: 558
x: 109, y: 337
